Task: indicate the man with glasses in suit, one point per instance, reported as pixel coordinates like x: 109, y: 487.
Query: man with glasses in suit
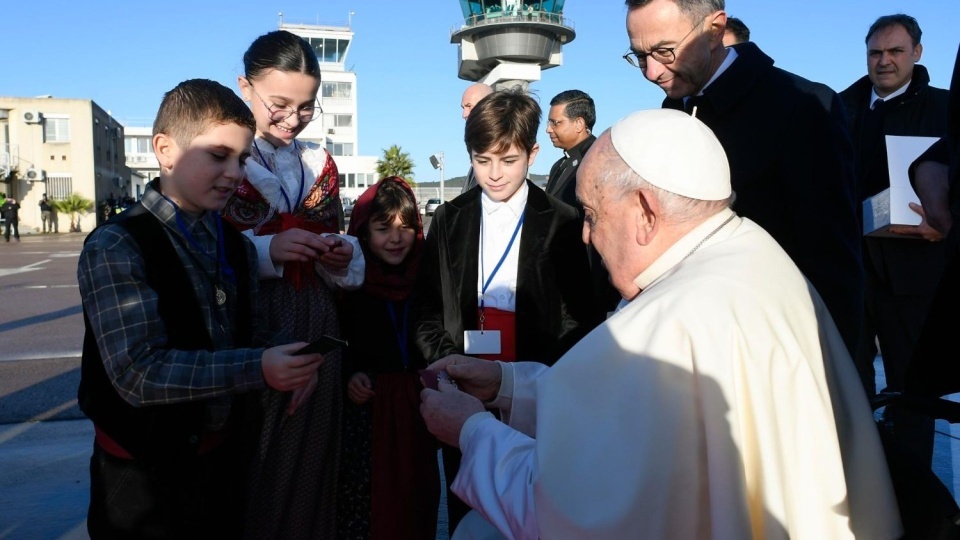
x: 791, y: 159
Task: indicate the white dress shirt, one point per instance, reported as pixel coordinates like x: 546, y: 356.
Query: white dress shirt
x: 497, y: 223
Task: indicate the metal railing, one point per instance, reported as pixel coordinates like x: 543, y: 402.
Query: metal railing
x: 508, y: 17
x: 9, y: 158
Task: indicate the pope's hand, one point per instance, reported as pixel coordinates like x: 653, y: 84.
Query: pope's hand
x: 477, y: 377
x: 446, y: 410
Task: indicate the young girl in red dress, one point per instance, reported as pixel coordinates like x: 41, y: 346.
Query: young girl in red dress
x: 390, y: 486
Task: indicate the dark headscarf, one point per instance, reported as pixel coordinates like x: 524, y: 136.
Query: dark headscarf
x: 385, y: 281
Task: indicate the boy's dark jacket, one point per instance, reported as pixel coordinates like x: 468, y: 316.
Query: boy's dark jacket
x: 162, y: 432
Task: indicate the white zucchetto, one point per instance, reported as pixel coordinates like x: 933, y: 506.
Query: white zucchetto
x: 675, y: 152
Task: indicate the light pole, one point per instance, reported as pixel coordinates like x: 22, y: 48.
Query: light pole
x: 437, y: 161
x: 350, y: 18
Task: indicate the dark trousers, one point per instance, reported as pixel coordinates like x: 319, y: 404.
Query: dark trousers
x: 456, y: 508
x: 895, y: 321
x: 6, y: 230
x: 194, y: 497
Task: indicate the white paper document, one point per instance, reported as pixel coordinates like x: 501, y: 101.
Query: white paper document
x: 892, y: 205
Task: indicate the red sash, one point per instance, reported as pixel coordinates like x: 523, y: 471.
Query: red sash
x: 297, y: 273
x: 209, y: 441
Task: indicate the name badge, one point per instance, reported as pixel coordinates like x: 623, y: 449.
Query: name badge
x: 481, y: 342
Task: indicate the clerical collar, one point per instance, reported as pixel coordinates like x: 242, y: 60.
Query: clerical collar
x: 701, y: 236
x: 577, y: 151
x: 727, y: 62
x: 516, y: 204
x: 899, y: 91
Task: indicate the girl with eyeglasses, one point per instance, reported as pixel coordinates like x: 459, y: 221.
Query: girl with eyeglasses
x: 289, y: 205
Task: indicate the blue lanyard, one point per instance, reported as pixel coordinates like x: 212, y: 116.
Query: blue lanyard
x: 502, y: 258
x: 400, y: 329
x: 283, y: 191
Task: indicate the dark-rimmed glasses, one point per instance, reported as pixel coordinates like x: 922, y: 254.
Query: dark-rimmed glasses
x: 663, y: 55
x: 279, y: 114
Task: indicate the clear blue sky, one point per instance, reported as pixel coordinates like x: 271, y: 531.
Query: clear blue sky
x: 125, y: 55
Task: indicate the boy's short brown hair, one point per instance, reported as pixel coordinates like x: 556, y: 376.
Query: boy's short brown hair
x: 501, y: 119
x: 196, y: 104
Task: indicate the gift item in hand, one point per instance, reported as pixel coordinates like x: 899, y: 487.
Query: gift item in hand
x: 322, y: 345
x: 431, y: 378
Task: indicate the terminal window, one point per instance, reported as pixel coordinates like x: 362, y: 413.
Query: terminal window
x: 329, y: 50
x: 337, y: 90
x: 338, y: 120
x: 56, y: 129
x: 340, y: 149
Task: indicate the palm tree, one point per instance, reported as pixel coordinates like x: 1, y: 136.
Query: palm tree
x: 395, y: 163
x: 75, y: 205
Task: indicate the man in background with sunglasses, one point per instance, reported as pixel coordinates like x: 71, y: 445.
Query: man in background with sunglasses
x: 791, y: 159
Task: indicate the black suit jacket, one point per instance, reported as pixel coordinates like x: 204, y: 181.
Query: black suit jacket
x: 791, y: 166
x: 562, y: 183
x: 553, y: 291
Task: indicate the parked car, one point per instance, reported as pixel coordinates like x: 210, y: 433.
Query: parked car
x: 347, y: 206
x: 432, y: 205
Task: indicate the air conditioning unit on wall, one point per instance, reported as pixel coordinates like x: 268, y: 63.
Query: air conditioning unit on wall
x: 32, y: 117
x: 34, y: 175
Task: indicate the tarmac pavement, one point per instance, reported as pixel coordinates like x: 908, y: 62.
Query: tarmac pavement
x: 44, y: 439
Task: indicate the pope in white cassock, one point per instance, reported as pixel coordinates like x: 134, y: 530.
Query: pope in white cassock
x: 718, y: 402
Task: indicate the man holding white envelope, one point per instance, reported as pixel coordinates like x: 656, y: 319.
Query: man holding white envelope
x: 893, y: 113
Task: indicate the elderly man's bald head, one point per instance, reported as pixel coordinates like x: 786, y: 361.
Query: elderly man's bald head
x: 474, y: 93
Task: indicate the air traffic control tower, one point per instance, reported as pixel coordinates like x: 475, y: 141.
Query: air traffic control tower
x: 505, y: 43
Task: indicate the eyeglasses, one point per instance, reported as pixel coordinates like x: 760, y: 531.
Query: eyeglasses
x: 279, y: 114
x: 663, y: 55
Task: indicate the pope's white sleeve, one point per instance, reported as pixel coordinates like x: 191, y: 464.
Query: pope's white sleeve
x: 517, y: 399
x: 351, y: 277
x: 496, y: 475
x: 268, y: 269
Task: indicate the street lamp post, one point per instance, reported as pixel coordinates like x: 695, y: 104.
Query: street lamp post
x: 437, y: 161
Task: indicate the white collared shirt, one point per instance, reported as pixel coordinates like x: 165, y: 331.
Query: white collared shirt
x: 874, y: 97
x: 497, y: 223
x: 727, y: 62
